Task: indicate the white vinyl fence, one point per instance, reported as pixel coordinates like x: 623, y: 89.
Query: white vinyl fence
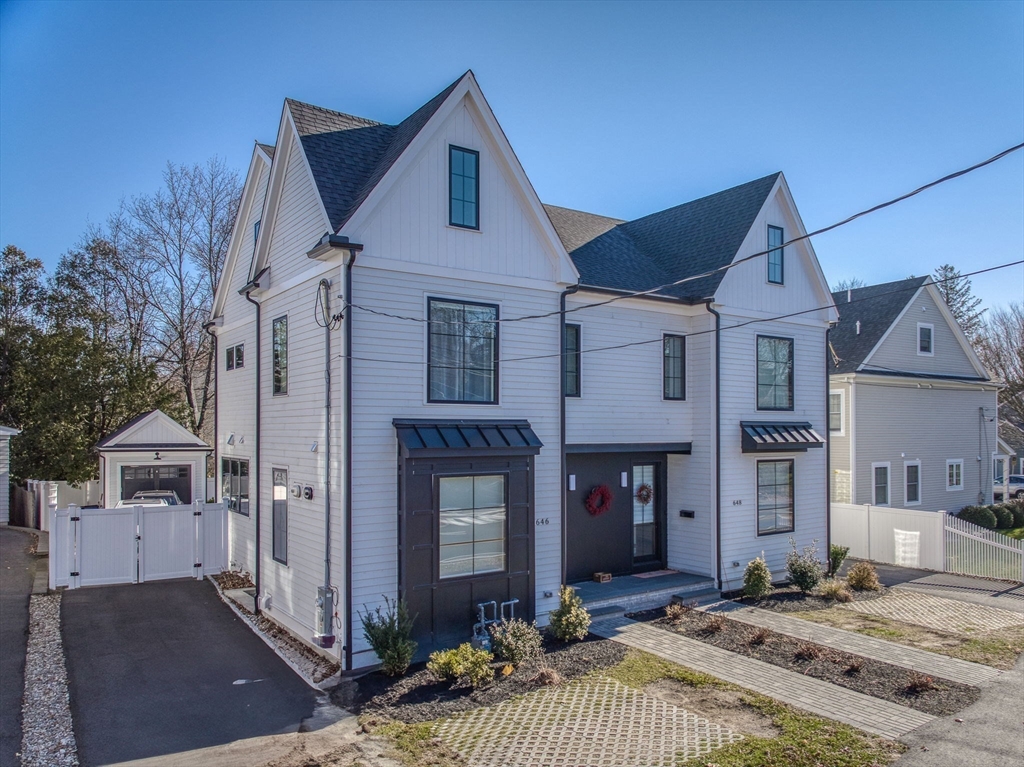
x: 94, y: 547
x: 932, y: 540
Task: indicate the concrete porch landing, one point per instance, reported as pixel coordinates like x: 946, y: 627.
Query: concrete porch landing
x: 628, y: 593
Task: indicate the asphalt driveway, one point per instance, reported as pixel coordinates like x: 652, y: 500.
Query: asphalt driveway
x: 163, y: 668
x: 17, y: 567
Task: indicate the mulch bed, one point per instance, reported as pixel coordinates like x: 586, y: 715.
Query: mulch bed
x: 789, y: 599
x: 419, y: 697
x: 855, y: 672
x: 231, y: 580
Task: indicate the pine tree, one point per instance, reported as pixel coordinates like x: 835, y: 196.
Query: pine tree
x: 956, y: 290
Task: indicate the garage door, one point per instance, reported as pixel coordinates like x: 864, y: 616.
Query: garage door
x: 176, y: 478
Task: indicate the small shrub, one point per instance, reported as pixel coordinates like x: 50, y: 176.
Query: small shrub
x: 807, y: 651
x: 919, y: 683
x: 836, y: 557
x: 804, y: 568
x: 714, y: 624
x: 757, y: 579
x: 675, y: 611
x: 548, y: 677
x: 862, y: 577
x: 571, y: 620
x: 515, y: 641
x: 388, y: 632
x: 1004, y: 517
x: 759, y: 637
x: 1016, y: 508
x: 834, y: 589
x: 854, y: 666
x: 464, y: 663
x: 979, y: 515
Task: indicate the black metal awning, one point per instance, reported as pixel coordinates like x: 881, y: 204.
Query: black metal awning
x: 426, y: 438
x: 768, y: 436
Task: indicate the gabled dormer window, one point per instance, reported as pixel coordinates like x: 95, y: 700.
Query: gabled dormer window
x: 775, y: 254
x: 464, y: 188
x: 925, y: 343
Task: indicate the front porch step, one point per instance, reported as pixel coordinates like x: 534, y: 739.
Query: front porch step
x: 652, y: 598
x: 700, y: 598
x: 609, y: 611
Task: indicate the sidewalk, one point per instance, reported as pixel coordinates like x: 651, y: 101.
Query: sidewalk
x: 870, y: 714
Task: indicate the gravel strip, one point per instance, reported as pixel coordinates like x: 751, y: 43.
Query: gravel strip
x: 48, y: 739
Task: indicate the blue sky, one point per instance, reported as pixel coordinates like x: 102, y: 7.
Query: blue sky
x: 619, y: 109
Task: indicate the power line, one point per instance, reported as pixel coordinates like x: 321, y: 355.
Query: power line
x: 712, y: 272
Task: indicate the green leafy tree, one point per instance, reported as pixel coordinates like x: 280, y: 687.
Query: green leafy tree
x: 965, y: 306
x: 21, y: 291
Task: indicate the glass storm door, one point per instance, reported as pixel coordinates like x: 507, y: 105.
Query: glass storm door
x: 645, y: 537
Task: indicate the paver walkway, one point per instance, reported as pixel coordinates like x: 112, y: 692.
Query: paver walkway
x: 856, y: 709
x: 936, y: 612
x: 922, y: 661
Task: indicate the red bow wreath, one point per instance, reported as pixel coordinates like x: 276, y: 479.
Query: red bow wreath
x: 599, y: 500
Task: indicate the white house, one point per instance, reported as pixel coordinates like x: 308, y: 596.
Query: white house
x: 913, y: 414
x: 391, y: 324
x: 6, y: 432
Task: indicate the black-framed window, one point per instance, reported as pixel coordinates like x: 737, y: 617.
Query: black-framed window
x: 473, y: 512
x: 235, y: 356
x: 234, y: 482
x: 463, y: 187
x: 280, y: 356
x: 255, y: 232
x: 776, y: 270
x: 280, y: 516
x: 673, y: 367
x: 571, y: 360
x: 774, y: 373
x: 462, y: 352
x: 835, y: 411
x: 774, y: 497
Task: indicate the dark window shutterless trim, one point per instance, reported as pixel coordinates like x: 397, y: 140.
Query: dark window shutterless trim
x: 235, y: 484
x: 775, y: 529
x: 572, y: 361
x: 776, y: 255
x: 279, y: 342
x: 462, y: 211
x: 438, y: 477
x: 463, y: 368
x: 673, y: 367
x: 229, y: 355
x: 770, y: 387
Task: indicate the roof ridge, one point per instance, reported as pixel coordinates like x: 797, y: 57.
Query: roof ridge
x: 919, y: 280
x: 708, y: 196
x: 586, y: 213
x: 346, y: 115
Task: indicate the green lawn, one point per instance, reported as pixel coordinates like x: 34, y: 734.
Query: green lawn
x: 1015, y: 532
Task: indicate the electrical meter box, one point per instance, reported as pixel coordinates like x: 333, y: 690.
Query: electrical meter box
x: 324, y: 636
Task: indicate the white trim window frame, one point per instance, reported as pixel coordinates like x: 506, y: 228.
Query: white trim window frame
x: 954, y: 471
x: 875, y: 484
x: 841, y: 431
x: 907, y: 466
x: 930, y: 327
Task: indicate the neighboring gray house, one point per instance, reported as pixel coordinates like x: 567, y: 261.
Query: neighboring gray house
x: 912, y: 411
x: 6, y: 433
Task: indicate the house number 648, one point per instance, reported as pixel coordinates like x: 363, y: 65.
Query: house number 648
x: 543, y: 521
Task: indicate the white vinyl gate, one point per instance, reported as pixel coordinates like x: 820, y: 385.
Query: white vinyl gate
x: 95, y: 547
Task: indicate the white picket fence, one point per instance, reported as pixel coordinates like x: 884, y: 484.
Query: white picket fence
x: 94, y: 547
x: 932, y: 540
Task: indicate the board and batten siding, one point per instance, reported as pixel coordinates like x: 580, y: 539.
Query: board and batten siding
x: 236, y: 308
x: 898, y: 351
x: 897, y: 422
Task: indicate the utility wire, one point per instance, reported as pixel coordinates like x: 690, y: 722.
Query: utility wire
x: 712, y: 272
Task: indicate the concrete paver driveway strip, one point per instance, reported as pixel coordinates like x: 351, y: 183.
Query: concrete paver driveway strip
x: 164, y: 668
x: 16, y: 571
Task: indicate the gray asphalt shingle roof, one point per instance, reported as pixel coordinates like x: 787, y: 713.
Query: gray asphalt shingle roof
x: 876, y: 307
x: 663, y: 247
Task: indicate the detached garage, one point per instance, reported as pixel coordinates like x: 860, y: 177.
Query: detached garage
x: 152, y: 452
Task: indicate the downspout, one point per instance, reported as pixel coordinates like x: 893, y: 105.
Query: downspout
x: 828, y: 457
x: 246, y: 291
x: 208, y: 327
x: 718, y: 442
x: 561, y: 428
x: 347, y: 613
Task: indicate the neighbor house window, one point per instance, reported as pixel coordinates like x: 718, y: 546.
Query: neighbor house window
x: 462, y: 352
x: 775, y: 254
x: 464, y: 187
x: 572, y: 360
x: 235, y: 356
x: 280, y: 516
x: 912, y: 482
x: 673, y: 370
x: 880, y: 484
x: 774, y: 373
x: 774, y: 497
x: 255, y: 232
x: 472, y: 525
x: 280, y: 341
x: 955, y: 474
x: 234, y: 477
x: 925, y: 346
x: 835, y: 412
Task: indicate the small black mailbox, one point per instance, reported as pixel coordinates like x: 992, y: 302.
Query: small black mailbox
x: 687, y: 513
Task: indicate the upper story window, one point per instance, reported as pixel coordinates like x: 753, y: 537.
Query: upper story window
x: 912, y: 483
x: 925, y: 342
x: 775, y: 255
x: 235, y: 356
x: 462, y: 352
x: 256, y: 231
x: 835, y: 411
x: 572, y: 359
x: 880, y: 484
x: 464, y: 187
x: 774, y: 373
x: 673, y: 372
x: 280, y: 361
x: 955, y: 474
